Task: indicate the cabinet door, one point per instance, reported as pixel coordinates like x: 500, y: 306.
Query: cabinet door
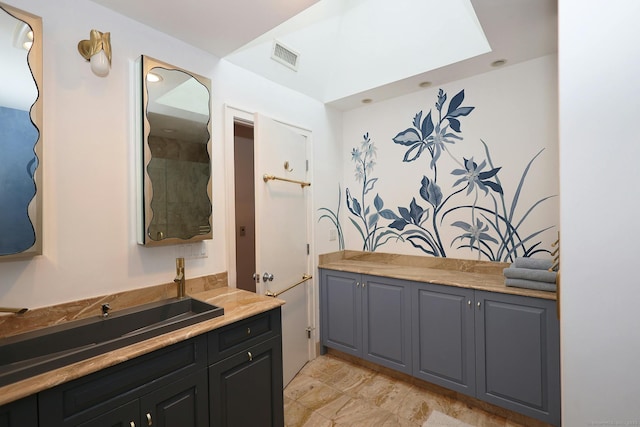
x: 518, y: 354
x: 341, y: 311
x: 127, y: 415
x: 183, y: 403
x: 246, y: 389
x: 443, y: 336
x: 21, y: 413
x: 386, y: 311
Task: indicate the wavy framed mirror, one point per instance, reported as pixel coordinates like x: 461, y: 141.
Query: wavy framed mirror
x: 21, y: 94
x: 175, y: 115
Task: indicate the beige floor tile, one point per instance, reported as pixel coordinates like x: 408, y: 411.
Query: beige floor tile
x: 359, y: 413
x: 319, y: 396
x: 331, y: 392
x: 384, y: 392
x: 300, y: 385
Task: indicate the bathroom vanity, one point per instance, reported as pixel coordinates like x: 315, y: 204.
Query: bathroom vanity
x: 201, y: 375
x: 452, y: 323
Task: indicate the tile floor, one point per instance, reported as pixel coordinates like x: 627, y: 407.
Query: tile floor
x: 331, y: 391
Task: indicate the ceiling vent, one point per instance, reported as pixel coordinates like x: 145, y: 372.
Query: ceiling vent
x: 285, y: 56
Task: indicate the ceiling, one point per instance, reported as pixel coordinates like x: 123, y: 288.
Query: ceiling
x: 352, y: 50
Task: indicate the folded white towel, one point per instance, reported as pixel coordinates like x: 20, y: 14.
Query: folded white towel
x: 530, y: 274
x: 530, y: 284
x: 533, y: 263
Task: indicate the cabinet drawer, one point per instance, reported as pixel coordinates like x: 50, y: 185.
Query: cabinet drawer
x: 107, y: 389
x: 235, y: 337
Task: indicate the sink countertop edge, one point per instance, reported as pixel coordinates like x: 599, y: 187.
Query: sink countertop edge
x: 237, y: 303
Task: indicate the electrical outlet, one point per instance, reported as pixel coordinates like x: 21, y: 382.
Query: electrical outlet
x: 333, y: 234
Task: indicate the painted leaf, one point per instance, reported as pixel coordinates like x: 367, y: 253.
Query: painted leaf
x: 423, y: 244
x: 462, y: 224
x: 407, y: 137
x: 373, y: 220
x: 455, y: 124
x: 415, y: 211
x: 404, y: 212
x: 355, y: 206
x: 399, y: 224
x: 485, y: 236
x: 442, y: 98
x: 456, y: 101
x: 431, y: 192
x: 388, y: 214
x: 489, y: 174
x: 370, y: 184
x: 494, y: 186
x: 427, y: 126
x: 416, y: 120
x: 462, y: 111
x: 378, y: 203
x: 414, y: 152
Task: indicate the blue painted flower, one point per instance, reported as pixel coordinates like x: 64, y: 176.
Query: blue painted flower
x: 474, y: 233
x: 473, y: 176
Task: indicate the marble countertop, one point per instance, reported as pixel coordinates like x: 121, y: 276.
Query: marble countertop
x: 237, y: 304
x: 481, y: 275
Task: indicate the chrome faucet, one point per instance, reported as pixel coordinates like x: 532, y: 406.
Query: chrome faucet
x: 13, y: 310
x: 180, y: 279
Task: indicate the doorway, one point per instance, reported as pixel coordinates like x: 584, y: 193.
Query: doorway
x: 245, y: 218
x: 269, y: 224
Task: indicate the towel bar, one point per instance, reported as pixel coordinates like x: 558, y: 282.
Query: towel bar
x: 305, y: 277
x: 267, y: 178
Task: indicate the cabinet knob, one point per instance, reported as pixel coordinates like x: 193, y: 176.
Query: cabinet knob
x: 357, y: 284
x: 149, y: 420
x: 248, y: 331
x: 132, y: 424
x: 250, y: 359
x: 478, y: 304
x: 469, y: 303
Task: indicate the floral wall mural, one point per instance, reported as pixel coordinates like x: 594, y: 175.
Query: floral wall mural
x: 437, y: 192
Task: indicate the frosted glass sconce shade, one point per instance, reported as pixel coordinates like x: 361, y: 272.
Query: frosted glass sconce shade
x: 97, y: 50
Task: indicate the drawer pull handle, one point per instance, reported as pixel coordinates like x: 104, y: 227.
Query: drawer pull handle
x: 248, y: 331
x: 250, y: 359
x: 149, y: 420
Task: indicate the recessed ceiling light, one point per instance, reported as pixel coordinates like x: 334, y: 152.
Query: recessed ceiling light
x: 425, y: 84
x: 499, y: 63
x: 367, y: 101
x: 153, y: 78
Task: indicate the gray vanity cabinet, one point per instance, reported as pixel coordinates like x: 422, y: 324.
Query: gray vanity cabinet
x: 21, y: 413
x: 245, y: 380
x: 443, y: 336
x: 167, y: 387
x: 518, y: 354
x: 368, y: 317
x: 500, y: 348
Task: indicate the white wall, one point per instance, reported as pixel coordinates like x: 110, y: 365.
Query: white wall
x: 599, y: 66
x: 89, y: 169
x: 515, y: 114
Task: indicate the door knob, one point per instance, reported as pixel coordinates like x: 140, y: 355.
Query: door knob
x: 267, y: 277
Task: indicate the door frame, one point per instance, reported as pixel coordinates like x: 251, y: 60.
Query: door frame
x: 232, y: 115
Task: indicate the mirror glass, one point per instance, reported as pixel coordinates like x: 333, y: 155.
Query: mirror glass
x: 177, y: 161
x: 20, y: 133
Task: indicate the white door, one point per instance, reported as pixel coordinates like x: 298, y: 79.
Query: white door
x: 282, y: 231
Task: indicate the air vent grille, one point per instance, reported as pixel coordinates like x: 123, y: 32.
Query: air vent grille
x: 285, y: 56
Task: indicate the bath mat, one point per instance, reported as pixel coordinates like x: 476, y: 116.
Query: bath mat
x: 438, y: 419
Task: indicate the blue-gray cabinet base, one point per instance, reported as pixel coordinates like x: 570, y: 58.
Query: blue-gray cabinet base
x: 367, y: 317
x: 503, y: 349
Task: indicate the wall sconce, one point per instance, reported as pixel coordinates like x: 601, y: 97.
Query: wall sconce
x: 97, y: 50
